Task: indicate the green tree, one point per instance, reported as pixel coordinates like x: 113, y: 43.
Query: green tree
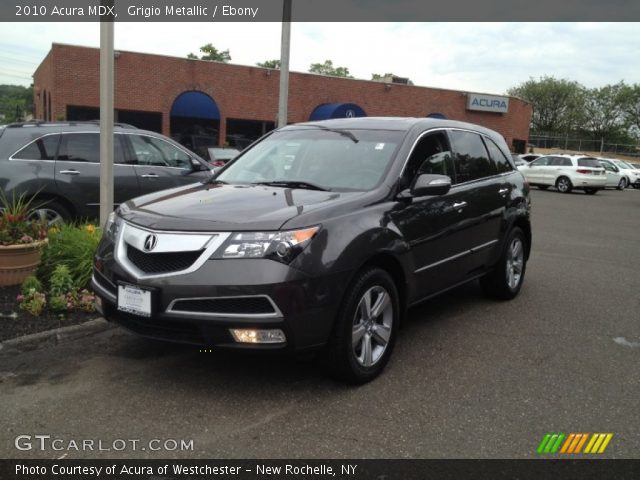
x: 630, y: 98
x: 604, y: 112
x: 275, y: 64
x: 212, y: 53
x: 16, y: 102
x: 327, y: 68
x: 557, y: 103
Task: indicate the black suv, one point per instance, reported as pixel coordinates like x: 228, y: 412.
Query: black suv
x: 319, y: 236
x: 60, y: 161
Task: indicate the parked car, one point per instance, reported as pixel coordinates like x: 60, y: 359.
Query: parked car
x: 517, y: 160
x: 631, y: 175
x: 529, y: 157
x: 615, y: 178
x: 219, y: 156
x: 60, y: 161
x: 566, y: 173
x: 318, y: 237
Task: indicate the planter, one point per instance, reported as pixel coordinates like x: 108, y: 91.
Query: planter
x: 17, y: 262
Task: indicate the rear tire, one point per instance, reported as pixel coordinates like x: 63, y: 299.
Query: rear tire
x: 51, y: 211
x: 365, y: 329
x: 564, y: 185
x: 590, y: 191
x: 505, y: 281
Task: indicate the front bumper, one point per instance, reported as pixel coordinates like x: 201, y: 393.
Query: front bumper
x: 238, y: 293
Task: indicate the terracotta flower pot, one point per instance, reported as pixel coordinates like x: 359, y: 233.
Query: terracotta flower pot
x: 17, y: 262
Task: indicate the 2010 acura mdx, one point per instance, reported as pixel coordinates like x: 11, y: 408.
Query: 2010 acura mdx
x: 319, y: 236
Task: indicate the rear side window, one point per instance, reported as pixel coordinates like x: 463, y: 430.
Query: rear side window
x: 502, y: 164
x: 43, y: 148
x: 588, y: 162
x: 540, y: 162
x: 85, y: 147
x: 80, y: 147
x: 471, y: 160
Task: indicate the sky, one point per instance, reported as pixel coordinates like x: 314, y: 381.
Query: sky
x: 479, y: 57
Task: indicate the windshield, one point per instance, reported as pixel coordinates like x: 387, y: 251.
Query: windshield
x: 624, y: 165
x: 332, y: 159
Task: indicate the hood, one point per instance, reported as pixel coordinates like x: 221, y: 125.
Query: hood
x: 228, y: 207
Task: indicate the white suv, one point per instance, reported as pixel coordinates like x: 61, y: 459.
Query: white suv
x: 566, y: 172
x: 631, y: 174
x: 615, y: 177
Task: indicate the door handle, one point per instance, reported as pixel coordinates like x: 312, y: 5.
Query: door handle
x: 69, y: 172
x: 149, y: 175
x: 459, y: 205
x: 503, y: 191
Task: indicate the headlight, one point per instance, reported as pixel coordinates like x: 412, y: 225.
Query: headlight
x: 279, y: 246
x: 112, y: 227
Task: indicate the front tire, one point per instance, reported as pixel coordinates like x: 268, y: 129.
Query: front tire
x: 505, y: 281
x: 365, y: 329
x: 623, y: 183
x: 564, y: 185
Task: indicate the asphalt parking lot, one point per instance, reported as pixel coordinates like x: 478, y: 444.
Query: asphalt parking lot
x: 470, y: 378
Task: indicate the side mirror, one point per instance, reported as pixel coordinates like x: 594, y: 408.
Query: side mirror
x: 427, y: 184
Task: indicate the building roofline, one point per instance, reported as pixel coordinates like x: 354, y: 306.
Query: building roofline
x: 394, y: 85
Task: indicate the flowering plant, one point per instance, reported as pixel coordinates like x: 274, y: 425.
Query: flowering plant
x: 16, y: 226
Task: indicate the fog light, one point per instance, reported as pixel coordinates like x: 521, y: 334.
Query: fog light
x: 257, y: 336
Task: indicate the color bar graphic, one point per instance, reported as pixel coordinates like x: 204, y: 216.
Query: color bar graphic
x: 573, y: 443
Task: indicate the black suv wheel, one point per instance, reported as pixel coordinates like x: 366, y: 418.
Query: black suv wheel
x: 366, y: 327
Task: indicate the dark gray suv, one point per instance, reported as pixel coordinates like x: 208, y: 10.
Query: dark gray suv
x: 319, y: 236
x: 61, y: 163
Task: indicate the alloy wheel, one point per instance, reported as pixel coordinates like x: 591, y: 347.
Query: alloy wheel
x: 46, y: 214
x: 372, y: 326
x: 515, y: 263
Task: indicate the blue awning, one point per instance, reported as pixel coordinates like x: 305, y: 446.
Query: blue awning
x: 195, y: 105
x: 337, y: 110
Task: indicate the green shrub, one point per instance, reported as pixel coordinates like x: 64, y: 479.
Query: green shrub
x: 58, y: 303
x: 60, y: 282
x: 73, y: 246
x: 33, y: 302
x: 30, y: 283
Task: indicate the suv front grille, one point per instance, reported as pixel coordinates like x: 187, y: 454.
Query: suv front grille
x: 226, y: 306
x: 162, y: 262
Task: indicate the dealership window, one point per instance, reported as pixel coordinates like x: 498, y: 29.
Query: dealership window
x: 470, y: 159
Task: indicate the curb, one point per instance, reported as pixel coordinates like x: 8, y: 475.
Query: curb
x: 54, y: 337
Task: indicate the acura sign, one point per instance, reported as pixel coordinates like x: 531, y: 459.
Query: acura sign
x: 487, y: 103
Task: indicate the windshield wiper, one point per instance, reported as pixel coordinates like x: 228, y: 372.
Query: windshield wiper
x: 344, y: 133
x: 293, y: 184
x: 213, y: 180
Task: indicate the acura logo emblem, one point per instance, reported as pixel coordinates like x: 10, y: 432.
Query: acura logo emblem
x: 150, y: 242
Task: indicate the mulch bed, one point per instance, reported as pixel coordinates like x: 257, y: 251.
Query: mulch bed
x: 15, y: 322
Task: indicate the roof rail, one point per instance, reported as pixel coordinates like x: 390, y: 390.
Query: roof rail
x: 39, y: 123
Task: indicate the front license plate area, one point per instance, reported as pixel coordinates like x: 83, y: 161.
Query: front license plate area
x: 134, y: 299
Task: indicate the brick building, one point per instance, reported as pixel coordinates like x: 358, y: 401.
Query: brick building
x: 235, y: 103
